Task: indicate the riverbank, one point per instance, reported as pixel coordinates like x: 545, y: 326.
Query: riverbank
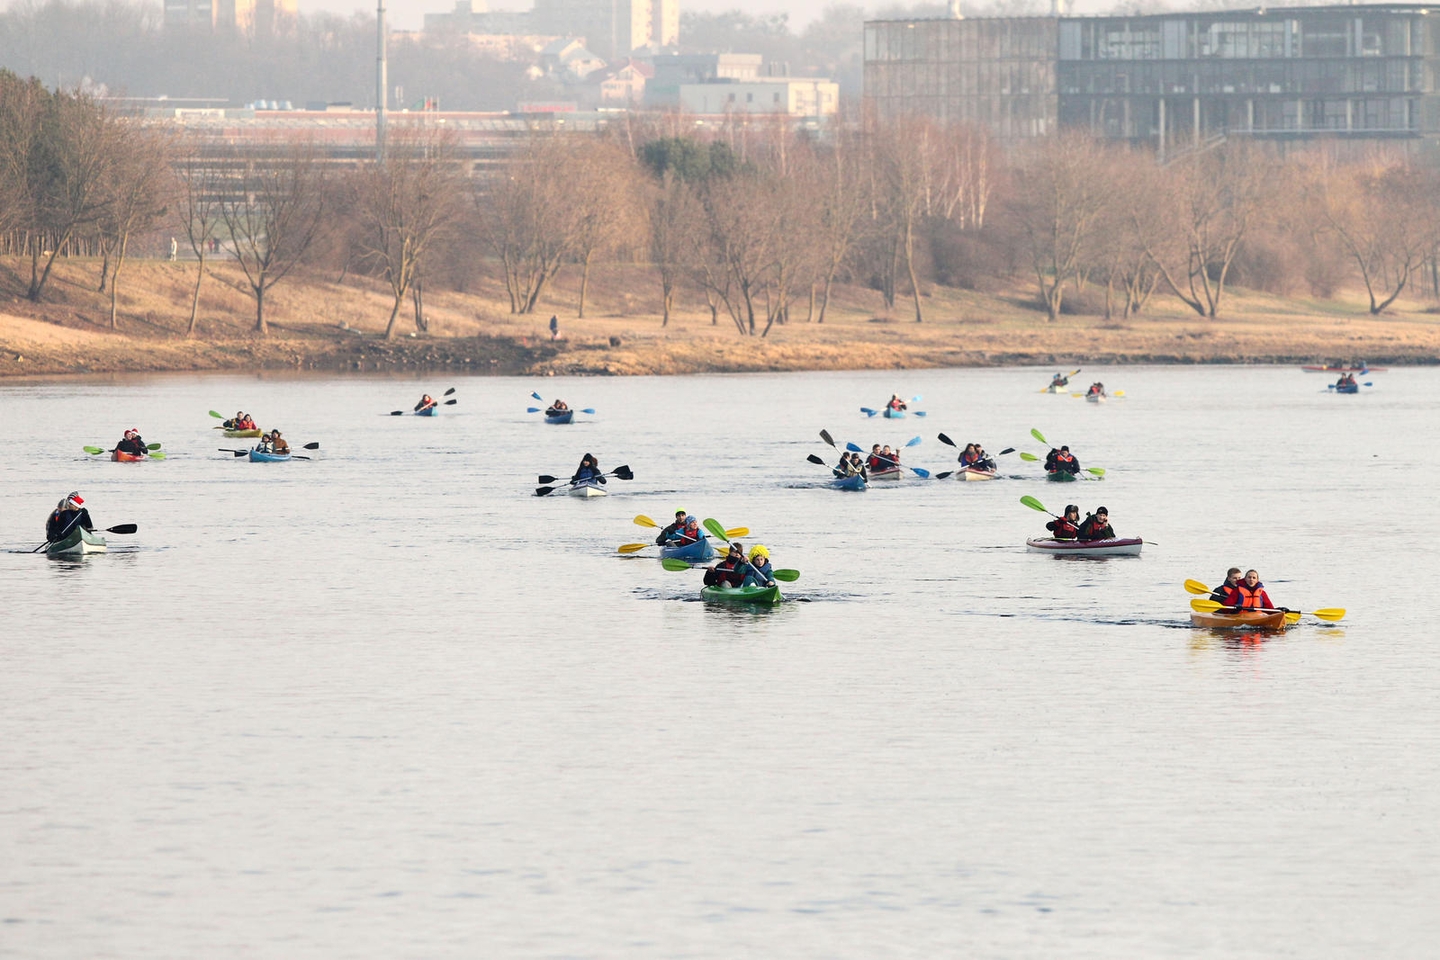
x: 322, y: 324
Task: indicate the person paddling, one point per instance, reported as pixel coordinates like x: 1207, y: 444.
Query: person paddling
x: 132, y: 444
x: 759, y: 572
x: 557, y: 408
x: 67, y: 514
x: 982, y: 459
x: 1097, y: 526
x: 1062, y: 461
x: 1249, y: 594
x: 1066, y: 527
x: 589, y: 469
x: 272, y: 442
x: 873, y: 461
x: 426, y: 402
x: 730, y: 571
x: 1059, y: 380
x: 896, y: 403
x: 1225, y: 594
x: 1097, y: 389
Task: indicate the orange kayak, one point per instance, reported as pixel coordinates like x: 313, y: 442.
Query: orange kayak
x: 120, y: 456
x: 1241, y: 620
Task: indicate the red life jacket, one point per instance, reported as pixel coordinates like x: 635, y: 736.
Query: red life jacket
x: 1250, y: 599
x: 1063, y: 529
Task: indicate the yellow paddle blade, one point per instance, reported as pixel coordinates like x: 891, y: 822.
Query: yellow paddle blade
x: 1195, y: 586
x: 1118, y: 393
x: 633, y: 547
x: 1292, y: 617
x: 738, y: 532
x: 1330, y: 613
x: 1205, y: 606
x: 645, y: 521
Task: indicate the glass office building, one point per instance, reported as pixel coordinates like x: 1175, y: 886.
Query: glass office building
x: 1173, y: 80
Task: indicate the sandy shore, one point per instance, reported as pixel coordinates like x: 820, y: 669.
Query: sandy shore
x: 318, y: 324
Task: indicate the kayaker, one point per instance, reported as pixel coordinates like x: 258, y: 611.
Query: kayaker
x: 235, y: 423
x: 729, y: 571
x: 589, y: 469
x: 1062, y: 461
x: 858, y: 466
x: 1250, y: 594
x: 967, y: 456
x: 1097, y: 389
x: 845, y: 468
x: 1097, y: 526
x: 873, y: 461
x: 890, y: 458
x: 243, y: 421
x: 68, y: 513
x: 1060, y: 380
x: 896, y: 403
x: 668, y: 530
x: 759, y: 572
x: 132, y: 443
x: 272, y: 442
x: 1067, y: 526
x: 426, y: 402
x: 558, y: 407
x: 982, y: 459
x: 1225, y: 593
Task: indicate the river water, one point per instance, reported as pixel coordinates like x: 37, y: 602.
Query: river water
x: 388, y: 703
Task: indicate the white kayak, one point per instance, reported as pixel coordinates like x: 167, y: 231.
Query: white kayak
x: 974, y: 473
x: 894, y: 473
x: 1096, y: 398
x: 1119, y: 547
x: 587, y: 488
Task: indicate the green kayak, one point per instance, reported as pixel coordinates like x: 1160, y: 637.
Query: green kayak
x: 768, y: 596
x: 76, y: 543
x: 1059, y: 476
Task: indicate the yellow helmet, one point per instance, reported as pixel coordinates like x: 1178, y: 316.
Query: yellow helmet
x: 759, y: 551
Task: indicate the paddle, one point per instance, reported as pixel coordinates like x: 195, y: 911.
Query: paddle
x: 825, y: 435
x: 122, y: 528
x: 1325, y: 613
x: 401, y: 413
x: 153, y: 449
x: 315, y: 445
x: 1067, y: 379
x: 1034, y: 504
x: 784, y: 574
x: 1039, y: 436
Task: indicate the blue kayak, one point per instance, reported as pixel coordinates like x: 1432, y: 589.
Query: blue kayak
x: 697, y: 552
x: 256, y: 456
x: 563, y: 417
x: 1348, y: 388
x: 856, y: 482
x: 894, y: 414
x: 429, y: 411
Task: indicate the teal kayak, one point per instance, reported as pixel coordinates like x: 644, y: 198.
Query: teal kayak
x: 766, y: 596
x: 76, y: 543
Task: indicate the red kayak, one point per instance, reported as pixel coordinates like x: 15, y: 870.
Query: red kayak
x: 119, y: 456
x: 1313, y: 368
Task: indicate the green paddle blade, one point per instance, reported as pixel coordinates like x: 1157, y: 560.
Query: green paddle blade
x: 1029, y: 458
x: 1195, y: 586
x: 1034, y: 504
x: 644, y: 521
x: 1097, y: 471
x: 152, y: 446
x: 1039, y: 436
x: 93, y: 450
x: 216, y: 415
x: 789, y: 576
x: 156, y: 455
x: 714, y: 527
x: 670, y: 563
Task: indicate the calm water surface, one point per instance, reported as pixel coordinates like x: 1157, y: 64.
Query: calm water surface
x: 390, y: 704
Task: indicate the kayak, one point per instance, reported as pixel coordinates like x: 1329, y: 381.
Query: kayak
x: 238, y: 434
x: 259, y: 456
x: 894, y: 414
x: 892, y: 473
x: 1315, y: 368
x: 76, y: 543
x: 1096, y: 398
x: 857, y: 482
x: 1347, y: 388
x: 974, y: 473
x: 429, y: 411
x: 697, y: 552
x: 1060, y: 476
x: 587, y: 488
x: 1119, y: 547
x: 119, y: 456
x: 1062, y: 388
x: 1240, y: 620
x: 563, y: 417
x: 765, y: 596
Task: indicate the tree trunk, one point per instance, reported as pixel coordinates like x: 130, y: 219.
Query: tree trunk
x: 115, y: 281
x: 195, y: 297
x: 584, y: 284
x: 825, y: 297
x: 260, y: 326
x: 394, y: 312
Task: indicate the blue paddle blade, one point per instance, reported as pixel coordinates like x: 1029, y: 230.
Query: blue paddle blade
x: 853, y: 449
x: 1369, y: 384
x: 589, y: 411
x: 532, y: 409
x: 918, y: 413
x: 867, y: 411
x: 536, y: 395
x: 913, y: 442
x: 924, y: 474
x: 916, y: 399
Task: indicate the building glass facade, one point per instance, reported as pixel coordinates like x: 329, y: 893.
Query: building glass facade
x: 1173, y: 80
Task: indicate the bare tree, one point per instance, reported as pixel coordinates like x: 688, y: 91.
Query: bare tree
x: 842, y: 205
x: 605, y: 198
x: 675, y: 218
x: 198, y: 209
x: 906, y: 159
x: 136, y: 186
x: 273, y: 213
x: 528, y: 222
x: 23, y: 105
x: 408, y: 203
x: 1061, y: 195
